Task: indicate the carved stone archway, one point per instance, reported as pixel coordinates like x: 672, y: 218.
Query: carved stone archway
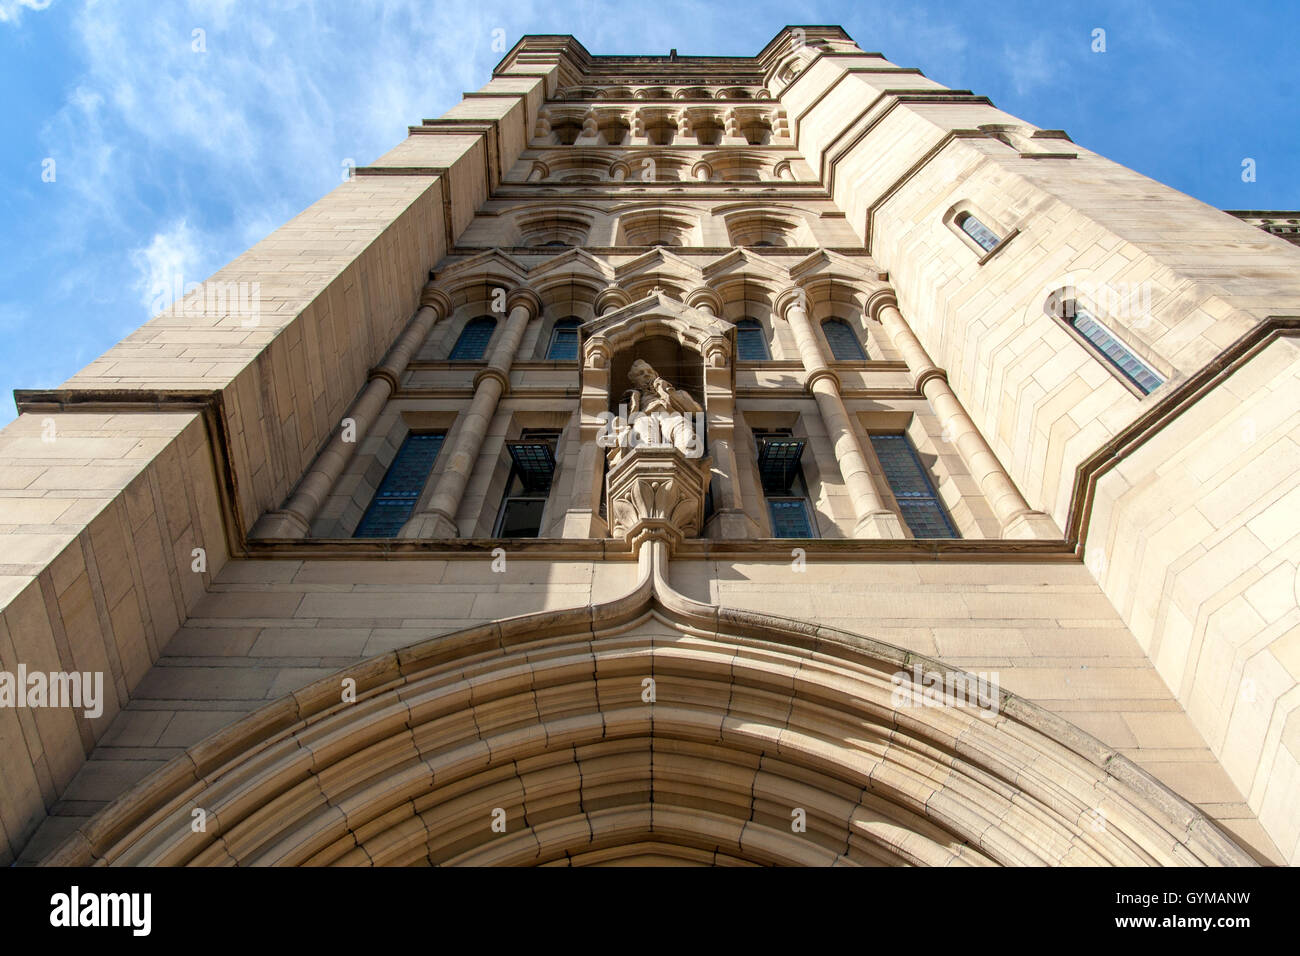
x: 651, y: 728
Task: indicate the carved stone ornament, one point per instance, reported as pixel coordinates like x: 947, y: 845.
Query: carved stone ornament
x: 657, y: 480
x: 656, y: 492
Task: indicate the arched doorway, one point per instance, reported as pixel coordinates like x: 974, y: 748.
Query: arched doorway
x: 651, y: 729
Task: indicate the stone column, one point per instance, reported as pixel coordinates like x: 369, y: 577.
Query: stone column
x: 730, y: 518
x: 582, y: 517
x: 874, y: 519
x: 437, y: 518
x: 295, y: 518
x: 610, y: 298
x: 1017, y: 518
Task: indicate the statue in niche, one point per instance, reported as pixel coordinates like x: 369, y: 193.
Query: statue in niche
x: 660, y: 414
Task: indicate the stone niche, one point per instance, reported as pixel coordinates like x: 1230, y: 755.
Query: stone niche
x: 657, y: 397
x: 676, y: 362
x: 658, y: 479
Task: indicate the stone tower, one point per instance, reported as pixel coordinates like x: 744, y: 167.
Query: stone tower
x: 774, y: 459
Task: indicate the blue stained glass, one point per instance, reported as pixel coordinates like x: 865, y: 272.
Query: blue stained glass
x: 911, y: 485
x: 564, y: 340
x: 982, y: 234
x: 789, y: 517
x: 1114, y: 351
x: 474, y: 339
x: 843, y: 341
x: 751, y: 344
x: 401, y: 487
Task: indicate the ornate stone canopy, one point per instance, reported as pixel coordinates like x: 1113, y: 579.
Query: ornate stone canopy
x: 657, y: 315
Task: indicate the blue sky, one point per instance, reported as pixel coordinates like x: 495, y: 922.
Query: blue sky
x: 170, y: 160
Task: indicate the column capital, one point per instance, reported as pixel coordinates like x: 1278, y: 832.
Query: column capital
x: 704, y: 299
x: 790, y: 296
x: 610, y: 298
x: 816, y: 374
x: 435, y: 298
x: 923, y: 376
x: 526, y: 297
x: 386, y: 373
x: 878, y: 301
x: 491, y: 372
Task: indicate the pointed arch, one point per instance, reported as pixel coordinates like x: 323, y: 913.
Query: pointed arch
x: 544, y: 717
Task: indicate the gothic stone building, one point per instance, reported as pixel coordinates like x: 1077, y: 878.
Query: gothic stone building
x: 780, y: 459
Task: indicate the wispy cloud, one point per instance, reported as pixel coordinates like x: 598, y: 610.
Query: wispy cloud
x: 172, y: 259
x: 11, y: 11
x: 1031, y: 64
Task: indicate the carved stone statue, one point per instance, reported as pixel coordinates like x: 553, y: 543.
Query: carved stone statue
x: 661, y: 414
x: 657, y: 479
x: 652, y: 393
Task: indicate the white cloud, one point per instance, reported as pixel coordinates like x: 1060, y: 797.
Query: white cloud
x: 171, y: 260
x: 1031, y: 64
x: 11, y: 11
x: 229, y: 143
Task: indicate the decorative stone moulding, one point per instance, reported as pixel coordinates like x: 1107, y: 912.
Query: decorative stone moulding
x: 655, y: 491
x: 705, y: 299
x: 610, y: 298
x: 595, y: 353
x: 406, y: 772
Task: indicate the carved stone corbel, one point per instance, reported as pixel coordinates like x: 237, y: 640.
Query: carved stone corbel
x: 656, y: 492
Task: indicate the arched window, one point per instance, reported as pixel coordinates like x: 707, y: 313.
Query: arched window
x: 1106, y: 344
x: 474, y: 338
x: 564, y: 340
x: 751, y: 343
x: 843, y: 341
x: 984, y: 237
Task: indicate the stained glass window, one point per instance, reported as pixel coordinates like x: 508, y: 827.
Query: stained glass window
x: 1113, y: 350
x: 751, y: 343
x: 401, y: 487
x: 982, y: 234
x: 912, y: 488
x: 474, y: 338
x: 564, y: 340
x: 843, y: 341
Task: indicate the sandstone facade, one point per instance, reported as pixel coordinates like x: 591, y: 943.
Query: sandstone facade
x: 915, y: 462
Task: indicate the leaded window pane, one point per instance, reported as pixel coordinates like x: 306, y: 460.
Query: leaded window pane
x: 401, y: 487
x: 911, y: 485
